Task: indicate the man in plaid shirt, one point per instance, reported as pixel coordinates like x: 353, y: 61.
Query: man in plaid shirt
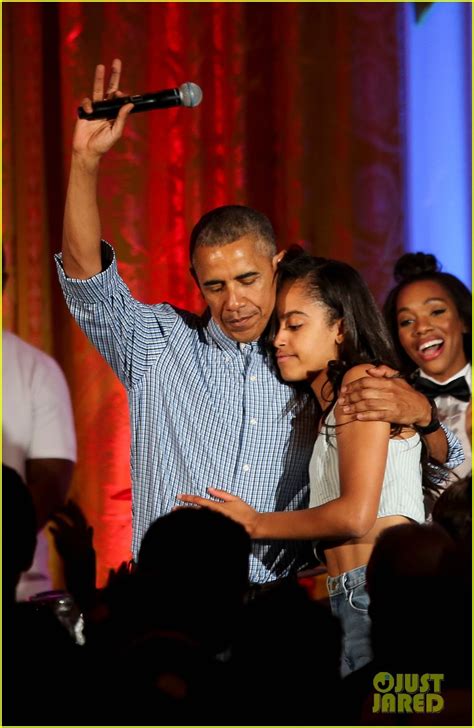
x: 207, y: 406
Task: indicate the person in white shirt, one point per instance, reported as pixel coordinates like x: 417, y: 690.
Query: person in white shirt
x: 429, y: 315
x: 38, y: 440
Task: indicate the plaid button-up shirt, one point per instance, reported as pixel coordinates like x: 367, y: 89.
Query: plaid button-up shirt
x: 205, y: 411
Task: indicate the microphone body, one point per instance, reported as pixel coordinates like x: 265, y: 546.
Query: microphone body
x: 188, y: 94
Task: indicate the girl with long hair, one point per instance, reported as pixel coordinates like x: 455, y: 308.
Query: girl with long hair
x: 364, y: 476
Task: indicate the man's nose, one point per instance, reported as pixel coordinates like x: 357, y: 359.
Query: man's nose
x: 233, y: 300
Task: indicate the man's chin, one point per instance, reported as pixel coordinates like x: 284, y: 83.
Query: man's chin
x: 243, y: 337
x: 246, y: 331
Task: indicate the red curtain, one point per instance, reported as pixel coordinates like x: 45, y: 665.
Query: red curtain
x: 300, y: 119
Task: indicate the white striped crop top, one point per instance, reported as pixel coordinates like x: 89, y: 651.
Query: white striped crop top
x: 402, y: 493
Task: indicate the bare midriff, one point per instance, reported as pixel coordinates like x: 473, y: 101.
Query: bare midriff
x: 356, y: 551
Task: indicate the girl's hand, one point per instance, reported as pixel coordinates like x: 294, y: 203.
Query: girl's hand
x: 230, y: 506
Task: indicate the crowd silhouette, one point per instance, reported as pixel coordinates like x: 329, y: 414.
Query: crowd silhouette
x: 174, y: 639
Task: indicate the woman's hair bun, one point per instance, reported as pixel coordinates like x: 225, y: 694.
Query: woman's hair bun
x: 412, y: 265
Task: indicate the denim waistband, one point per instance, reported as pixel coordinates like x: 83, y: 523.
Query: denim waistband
x: 348, y: 580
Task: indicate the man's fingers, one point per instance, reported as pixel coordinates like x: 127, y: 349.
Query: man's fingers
x: 367, y: 397
x: 114, y: 80
x: 119, y: 122
x: 372, y: 388
x: 360, y: 385
x: 369, y: 383
x: 373, y: 415
x: 87, y: 105
x: 99, y: 79
x: 383, y: 371
x: 367, y: 404
x: 98, y: 87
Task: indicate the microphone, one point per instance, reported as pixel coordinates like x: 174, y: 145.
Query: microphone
x: 188, y: 94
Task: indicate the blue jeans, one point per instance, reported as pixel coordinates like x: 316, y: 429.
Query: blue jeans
x: 349, y: 602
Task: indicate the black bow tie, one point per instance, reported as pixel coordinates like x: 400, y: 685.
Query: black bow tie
x: 457, y: 388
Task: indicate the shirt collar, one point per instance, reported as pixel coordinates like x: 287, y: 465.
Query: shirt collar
x: 464, y: 372
x: 229, y: 345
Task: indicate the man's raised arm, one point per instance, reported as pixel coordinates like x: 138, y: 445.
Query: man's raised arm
x: 92, y: 139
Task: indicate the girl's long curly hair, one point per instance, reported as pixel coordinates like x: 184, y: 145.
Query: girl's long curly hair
x: 344, y: 294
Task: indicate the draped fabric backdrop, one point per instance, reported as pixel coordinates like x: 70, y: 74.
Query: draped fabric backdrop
x: 300, y: 119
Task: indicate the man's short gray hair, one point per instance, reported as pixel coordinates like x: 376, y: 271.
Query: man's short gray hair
x: 227, y: 224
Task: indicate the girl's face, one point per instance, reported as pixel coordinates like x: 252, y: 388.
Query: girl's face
x: 430, y: 330
x: 305, y: 342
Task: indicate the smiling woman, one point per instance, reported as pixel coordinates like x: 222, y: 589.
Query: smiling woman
x: 430, y: 328
x: 426, y: 306
x: 429, y: 316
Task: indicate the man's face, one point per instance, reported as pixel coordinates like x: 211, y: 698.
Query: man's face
x: 237, y: 281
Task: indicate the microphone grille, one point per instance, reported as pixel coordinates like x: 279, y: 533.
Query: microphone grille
x: 191, y: 94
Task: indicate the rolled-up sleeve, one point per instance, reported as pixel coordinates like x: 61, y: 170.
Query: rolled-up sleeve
x: 455, y: 454
x: 127, y: 333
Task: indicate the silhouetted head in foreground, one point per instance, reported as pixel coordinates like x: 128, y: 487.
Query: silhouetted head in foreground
x: 193, y: 563
x: 419, y: 586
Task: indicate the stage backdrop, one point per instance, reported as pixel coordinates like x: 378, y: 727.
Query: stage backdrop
x: 300, y: 119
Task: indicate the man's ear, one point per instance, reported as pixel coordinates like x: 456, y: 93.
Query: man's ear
x: 276, y: 258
